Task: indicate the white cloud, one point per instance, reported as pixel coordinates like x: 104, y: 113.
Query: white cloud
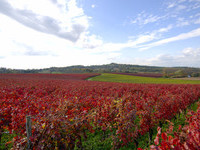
x: 93, y: 6
x: 151, y: 19
x: 180, y: 7
x: 24, y: 38
x: 134, y: 42
x: 182, y: 22
x: 165, y: 29
x: 156, y: 34
x: 88, y: 41
x: 171, y: 5
x: 27, y: 48
x: 183, y: 36
x: 63, y: 19
x: 43, y: 8
x: 173, y: 9
x: 144, y: 38
x: 186, y: 5
x: 144, y: 18
x: 32, y: 43
x: 188, y: 57
x: 175, y: 4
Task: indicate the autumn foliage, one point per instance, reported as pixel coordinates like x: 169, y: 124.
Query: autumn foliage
x: 187, y: 137
x: 65, y: 108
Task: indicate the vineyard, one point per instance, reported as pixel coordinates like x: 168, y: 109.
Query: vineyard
x: 153, y: 75
x: 186, y: 137
x: 69, y: 112
x: 123, y: 78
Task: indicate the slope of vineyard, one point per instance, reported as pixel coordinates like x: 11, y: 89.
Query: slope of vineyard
x: 153, y: 75
x: 66, y: 113
x: 106, y: 77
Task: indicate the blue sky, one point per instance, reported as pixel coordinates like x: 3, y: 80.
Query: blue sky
x: 47, y: 33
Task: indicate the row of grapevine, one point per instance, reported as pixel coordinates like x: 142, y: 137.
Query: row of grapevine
x: 65, y: 111
x: 186, y: 137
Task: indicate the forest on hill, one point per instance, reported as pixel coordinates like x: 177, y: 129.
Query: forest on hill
x: 113, y: 67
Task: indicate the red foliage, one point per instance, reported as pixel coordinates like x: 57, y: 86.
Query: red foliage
x: 64, y: 108
x: 185, y: 138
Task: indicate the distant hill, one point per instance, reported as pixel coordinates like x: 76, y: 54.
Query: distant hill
x: 113, y: 67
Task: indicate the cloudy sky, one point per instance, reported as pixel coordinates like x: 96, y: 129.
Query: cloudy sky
x: 46, y: 33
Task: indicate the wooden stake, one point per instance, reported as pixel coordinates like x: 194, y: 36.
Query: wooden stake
x: 28, y: 131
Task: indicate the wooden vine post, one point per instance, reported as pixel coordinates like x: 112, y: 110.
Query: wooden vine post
x: 28, y: 131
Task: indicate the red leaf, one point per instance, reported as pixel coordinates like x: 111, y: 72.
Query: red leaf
x: 164, y: 136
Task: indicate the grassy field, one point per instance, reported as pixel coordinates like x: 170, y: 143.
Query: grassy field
x: 106, y: 77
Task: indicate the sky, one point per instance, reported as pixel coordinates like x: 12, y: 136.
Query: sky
x: 57, y: 33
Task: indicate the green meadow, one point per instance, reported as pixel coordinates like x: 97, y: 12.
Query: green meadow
x: 107, y: 77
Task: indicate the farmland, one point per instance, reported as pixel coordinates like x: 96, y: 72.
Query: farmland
x: 153, y: 75
x: 106, y: 77
x: 68, y: 112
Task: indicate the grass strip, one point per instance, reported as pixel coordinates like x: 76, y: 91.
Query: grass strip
x: 106, y: 77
